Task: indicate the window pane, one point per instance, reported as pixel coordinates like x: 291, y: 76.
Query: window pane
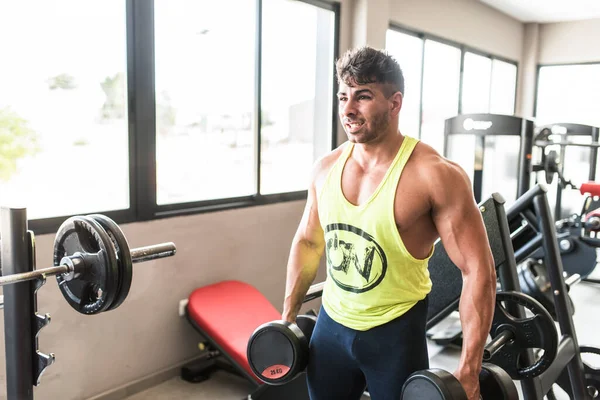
x: 205, y: 63
x: 441, y: 81
x: 501, y: 167
x: 408, y: 51
x: 569, y: 93
x: 476, y: 84
x: 297, y: 92
x: 63, y: 107
x: 504, y: 86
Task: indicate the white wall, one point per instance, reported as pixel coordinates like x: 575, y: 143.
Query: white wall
x: 570, y: 42
x: 468, y: 22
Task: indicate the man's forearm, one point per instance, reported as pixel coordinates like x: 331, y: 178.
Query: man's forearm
x: 302, y: 269
x: 477, y: 303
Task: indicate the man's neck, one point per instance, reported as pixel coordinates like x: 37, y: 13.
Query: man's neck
x: 370, y: 155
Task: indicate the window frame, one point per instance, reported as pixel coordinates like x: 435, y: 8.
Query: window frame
x: 142, y: 126
x: 463, y: 49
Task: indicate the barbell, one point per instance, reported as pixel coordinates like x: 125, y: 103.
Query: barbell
x: 93, y: 263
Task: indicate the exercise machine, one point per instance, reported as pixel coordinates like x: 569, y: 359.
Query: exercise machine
x: 484, y: 145
x: 564, y: 137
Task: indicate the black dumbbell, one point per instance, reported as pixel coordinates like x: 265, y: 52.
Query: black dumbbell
x: 437, y: 384
x: 278, y: 350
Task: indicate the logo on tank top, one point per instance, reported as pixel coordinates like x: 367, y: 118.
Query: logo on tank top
x: 355, y: 261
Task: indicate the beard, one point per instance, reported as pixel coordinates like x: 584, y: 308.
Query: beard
x: 379, y: 123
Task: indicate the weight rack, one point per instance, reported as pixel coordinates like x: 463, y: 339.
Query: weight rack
x: 24, y: 362
x: 100, y: 282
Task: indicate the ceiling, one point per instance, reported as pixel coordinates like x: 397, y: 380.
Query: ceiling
x: 544, y: 11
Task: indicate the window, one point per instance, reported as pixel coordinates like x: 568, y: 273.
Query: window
x: 408, y: 51
x: 441, y: 83
x: 205, y: 95
x: 477, y: 78
x: 180, y: 107
x: 297, y: 92
x: 64, y: 143
x: 434, y: 90
x: 570, y: 94
x: 504, y: 88
x: 489, y: 85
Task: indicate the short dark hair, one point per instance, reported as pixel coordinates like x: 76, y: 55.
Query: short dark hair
x: 364, y: 65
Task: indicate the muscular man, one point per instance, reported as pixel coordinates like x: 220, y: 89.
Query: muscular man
x: 375, y: 207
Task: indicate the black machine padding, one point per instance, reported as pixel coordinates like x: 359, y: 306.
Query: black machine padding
x: 445, y: 275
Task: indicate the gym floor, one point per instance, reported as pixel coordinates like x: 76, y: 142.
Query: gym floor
x: 224, y: 386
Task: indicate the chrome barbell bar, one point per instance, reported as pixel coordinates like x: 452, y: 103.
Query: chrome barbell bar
x: 139, y: 254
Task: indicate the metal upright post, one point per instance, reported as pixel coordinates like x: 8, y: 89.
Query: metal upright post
x: 524, y: 178
x: 509, y: 280
x: 559, y: 289
x: 594, y: 153
x: 18, y: 305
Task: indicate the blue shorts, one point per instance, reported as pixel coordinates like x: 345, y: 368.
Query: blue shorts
x: 343, y: 361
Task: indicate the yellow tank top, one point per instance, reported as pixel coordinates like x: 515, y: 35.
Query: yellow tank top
x: 371, y: 277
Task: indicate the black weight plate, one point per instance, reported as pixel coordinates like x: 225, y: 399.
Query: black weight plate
x: 123, y: 255
x: 534, y: 282
x: 433, y: 384
x: 306, y: 323
x: 84, y: 235
x: 277, y: 351
x: 496, y: 384
x: 538, y: 332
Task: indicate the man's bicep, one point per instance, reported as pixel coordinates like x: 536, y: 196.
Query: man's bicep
x: 459, y: 223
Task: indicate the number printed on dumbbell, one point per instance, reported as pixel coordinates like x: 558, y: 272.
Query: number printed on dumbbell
x: 276, y: 371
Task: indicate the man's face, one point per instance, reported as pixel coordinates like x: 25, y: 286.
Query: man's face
x: 364, y: 111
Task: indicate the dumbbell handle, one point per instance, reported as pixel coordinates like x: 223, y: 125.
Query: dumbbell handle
x: 496, y: 344
x: 139, y: 254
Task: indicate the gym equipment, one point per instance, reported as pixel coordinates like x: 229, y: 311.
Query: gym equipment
x: 93, y: 263
x: 576, y: 235
x: 438, y: 384
x: 487, y: 131
x: 530, y: 216
x: 93, y: 267
x: 534, y: 282
x: 560, y: 135
x: 226, y: 314
x: 592, y: 375
x: 278, y: 350
x: 512, y: 336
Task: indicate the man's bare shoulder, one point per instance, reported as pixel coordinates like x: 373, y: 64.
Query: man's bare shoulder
x: 440, y: 172
x: 324, y: 164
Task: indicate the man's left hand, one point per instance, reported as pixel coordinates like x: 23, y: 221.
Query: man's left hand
x: 470, y: 382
